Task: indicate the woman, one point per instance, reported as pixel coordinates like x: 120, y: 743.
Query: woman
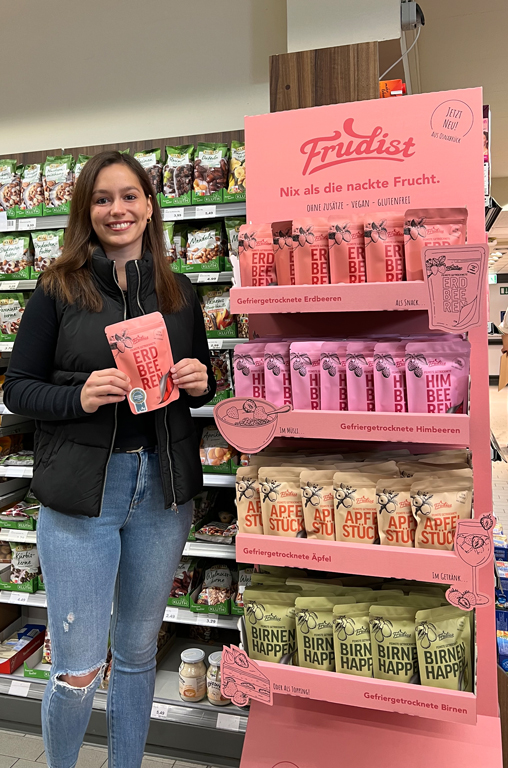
x: 115, y: 488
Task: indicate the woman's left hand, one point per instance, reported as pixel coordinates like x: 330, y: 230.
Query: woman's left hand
x: 191, y: 375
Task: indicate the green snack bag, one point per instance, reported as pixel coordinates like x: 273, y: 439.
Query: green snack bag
x: 232, y: 231
x: 82, y: 160
x: 393, y: 643
x: 168, y: 229
x: 443, y: 640
x: 351, y: 639
x: 204, y: 249
x: 270, y: 624
x: 177, y: 176
x: 314, y: 631
x: 219, y: 322
x: 58, y: 180
x: 211, y: 164
x: 48, y: 246
x: 15, y: 257
x: 236, y: 182
x: 32, y: 191
x: 150, y: 159
x: 12, y: 306
x: 10, y: 187
x: 180, y: 241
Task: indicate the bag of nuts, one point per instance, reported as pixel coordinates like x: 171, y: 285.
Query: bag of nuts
x: 221, y: 367
x: 12, y: 306
x: 236, y: 184
x: 219, y: 321
x: 32, y: 191
x: 15, y: 257
x: 210, y: 172
x: 58, y: 180
x: 204, y: 249
x: 82, y: 160
x: 24, y: 563
x: 10, y: 187
x: 178, y: 174
x: 150, y: 159
x: 232, y: 232
x: 48, y: 246
x: 215, y: 452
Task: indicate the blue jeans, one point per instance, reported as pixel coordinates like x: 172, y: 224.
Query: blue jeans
x: 126, y: 558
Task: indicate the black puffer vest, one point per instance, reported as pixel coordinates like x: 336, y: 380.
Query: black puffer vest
x: 71, y: 457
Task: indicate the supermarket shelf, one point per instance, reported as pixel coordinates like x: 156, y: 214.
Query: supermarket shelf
x: 209, y: 277
x: 431, y: 565
x: 6, y: 346
x: 4, y: 411
x: 12, y: 534
x: 345, y: 297
x: 382, y: 695
x: 225, y: 343
x: 208, y: 479
x: 205, y: 412
x: 16, y: 472
x: 17, y: 285
x: 184, y: 616
x: 211, y: 480
x: 36, y: 600
x: 207, y: 549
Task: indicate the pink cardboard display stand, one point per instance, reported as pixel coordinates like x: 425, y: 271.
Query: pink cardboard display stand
x: 415, y: 152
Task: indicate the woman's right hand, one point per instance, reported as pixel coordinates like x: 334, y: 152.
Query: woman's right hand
x: 104, y: 387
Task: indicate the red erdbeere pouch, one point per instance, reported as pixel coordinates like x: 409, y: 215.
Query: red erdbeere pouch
x: 142, y: 350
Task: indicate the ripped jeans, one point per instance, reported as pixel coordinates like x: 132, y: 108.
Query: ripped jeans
x: 126, y: 558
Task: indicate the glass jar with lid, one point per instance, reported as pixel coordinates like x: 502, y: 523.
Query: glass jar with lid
x: 192, y: 675
x: 213, y: 681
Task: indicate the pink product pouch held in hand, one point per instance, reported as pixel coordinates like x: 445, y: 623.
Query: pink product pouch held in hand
x: 384, y: 247
x: 390, y: 376
x: 255, y: 253
x: 428, y: 227
x: 283, y: 252
x: 142, y: 350
x: 310, y: 247
x: 277, y: 375
x: 305, y: 363
x: 360, y: 375
x: 249, y: 370
x: 346, y: 250
x: 333, y: 379
x: 437, y: 377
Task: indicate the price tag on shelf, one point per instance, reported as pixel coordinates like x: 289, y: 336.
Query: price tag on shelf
x: 207, y: 620
x: 171, y: 613
x: 27, y: 224
x: 215, y: 343
x: 19, y: 597
x: 21, y: 536
x: 228, y: 722
x: 159, y: 711
x: 9, y: 285
x: 208, y: 277
x: 172, y: 214
x: 19, y: 688
x: 206, y: 211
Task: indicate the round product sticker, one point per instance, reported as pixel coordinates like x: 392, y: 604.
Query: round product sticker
x: 137, y: 396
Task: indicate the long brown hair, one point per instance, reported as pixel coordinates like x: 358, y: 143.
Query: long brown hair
x: 69, y: 278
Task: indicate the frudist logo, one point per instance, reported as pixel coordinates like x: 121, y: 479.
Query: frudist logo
x: 347, y: 146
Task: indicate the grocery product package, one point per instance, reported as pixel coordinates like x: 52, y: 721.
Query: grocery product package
x: 5, y: 552
x: 142, y: 350
x: 21, y: 516
x: 310, y: 250
x: 395, y: 520
x: 277, y: 373
x: 317, y: 501
x: 360, y: 375
x: 430, y: 227
x: 182, y: 582
x: 10, y: 187
x: 384, y: 247
x: 221, y: 368
x: 256, y: 255
x: 82, y: 161
x: 270, y: 625
x: 305, y: 359
x: 437, y: 504
x: 32, y: 191
x: 355, y: 507
x: 168, y: 229
x: 180, y: 245
x: 437, y: 377
x: 347, y: 250
x: 216, y: 589
x: 46, y: 651
x: 249, y: 370
x: 150, y: 159
x: 16, y: 258
x: 248, y: 501
x: 24, y: 562
x: 204, y: 249
x: 314, y: 631
x: 12, y: 306
x: 216, y: 454
x: 58, y: 181
x: 232, y: 234
x: 393, y: 643
x: 283, y: 248
x: 211, y: 164
x: 351, y: 639
x: 177, y: 176
x: 443, y: 641
x: 219, y: 322
x: 390, y: 377
x: 281, y: 500
x: 333, y: 376
x: 235, y: 191
x: 48, y: 246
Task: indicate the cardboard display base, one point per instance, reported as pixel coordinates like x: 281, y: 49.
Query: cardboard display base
x: 298, y: 734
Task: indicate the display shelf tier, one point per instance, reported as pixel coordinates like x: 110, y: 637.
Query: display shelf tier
x: 213, y: 480
x: 6, y: 346
x: 431, y: 565
x: 208, y: 479
x: 382, y: 695
x: 11, y: 534
x: 344, y: 297
x: 17, y: 285
x: 205, y: 412
x: 16, y: 472
x: 209, y: 277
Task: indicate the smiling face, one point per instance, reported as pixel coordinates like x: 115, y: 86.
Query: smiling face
x: 119, y: 209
